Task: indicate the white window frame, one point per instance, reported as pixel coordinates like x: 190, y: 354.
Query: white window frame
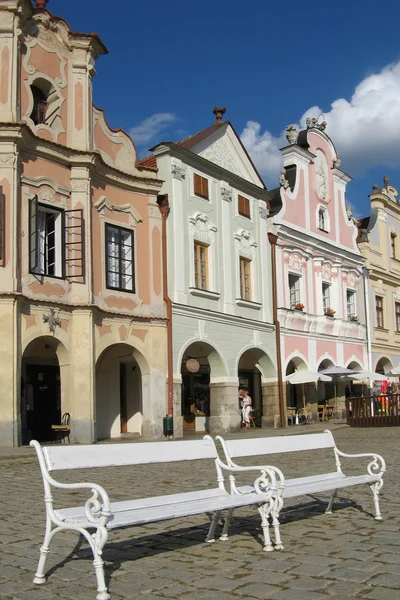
x: 43, y: 209
x: 194, y: 172
x: 326, y: 298
x: 327, y: 226
x: 251, y: 202
x: 206, y: 236
x: 298, y: 292
x: 350, y: 313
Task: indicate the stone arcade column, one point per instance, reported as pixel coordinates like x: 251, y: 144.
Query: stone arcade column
x: 224, y: 402
x: 177, y: 400
x: 270, y: 402
x: 9, y: 373
x: 83, y: 415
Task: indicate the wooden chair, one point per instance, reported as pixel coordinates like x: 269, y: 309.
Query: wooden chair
x: 63, y: 429
x: 322, y: 412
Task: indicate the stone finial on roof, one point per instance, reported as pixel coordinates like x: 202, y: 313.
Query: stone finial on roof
x: 219, y: 111
x: 292, y: 134
x: 375, y: 188
x: 41, y: 3
x: 386, y: 180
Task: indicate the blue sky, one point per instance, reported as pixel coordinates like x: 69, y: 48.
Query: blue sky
x: 268, y: 62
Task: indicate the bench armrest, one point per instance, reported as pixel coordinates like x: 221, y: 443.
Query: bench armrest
x: 97, y: 507
x: 270, y: 478
x: 377, y: 466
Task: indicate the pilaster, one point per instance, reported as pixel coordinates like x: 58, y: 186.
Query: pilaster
x: 9, y: 63
x: 226, y: 258
x: 10, y: 173
x: 224, y: 406
x: 10, y: 371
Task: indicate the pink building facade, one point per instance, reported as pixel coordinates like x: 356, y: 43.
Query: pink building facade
x: 320, y: 284
x: 82, y: 314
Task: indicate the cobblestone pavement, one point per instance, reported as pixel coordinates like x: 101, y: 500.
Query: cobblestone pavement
x: 344, y: 555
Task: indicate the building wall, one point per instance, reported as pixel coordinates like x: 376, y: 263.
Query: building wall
x: 74, y: 162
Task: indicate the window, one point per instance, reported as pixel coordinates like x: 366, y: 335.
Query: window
x: 322, y: 220
x: 326, y: 296
x: 294, y: 290
x: 38, y: 114
x: 200, y: 186
x: 119, y: 258
x: 200, y: 266
x: 245, y: 278
x: 379, y: 311
x: 56, y: 241
x: 351, y: 305
x: 397, y: 313
x: 393, y: 245
x: 244, y: 206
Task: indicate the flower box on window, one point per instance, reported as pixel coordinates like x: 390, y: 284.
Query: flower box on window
x: 299, y: 306
x: 354, y: 319
x: 329, y: 312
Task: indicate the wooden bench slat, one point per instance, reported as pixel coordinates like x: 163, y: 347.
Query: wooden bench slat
x: 117, y: 455
x: 279, y: 445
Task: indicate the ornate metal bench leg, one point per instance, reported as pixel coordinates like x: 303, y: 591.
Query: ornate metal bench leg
x: 227, y: 522
x: 211, y: 532
x: 275, y: 523
x: 375, y: 487
x: 264, y: 511
x: 44, y: 552
x: 98, y: 541
x: 330, y: 504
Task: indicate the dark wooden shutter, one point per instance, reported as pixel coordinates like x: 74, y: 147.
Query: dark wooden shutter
x: 33, y: 234
x: 74, y: 243
x: 197, y: 185
x: 204, y: 187
x: 2, y: 226
x: 244, y: 206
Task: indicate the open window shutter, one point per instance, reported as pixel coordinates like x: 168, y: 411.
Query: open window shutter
x: 33, y: 234
x: 204, y: 186
x: 197, y: 185
x: 74, y: 243
x: 2, y: 225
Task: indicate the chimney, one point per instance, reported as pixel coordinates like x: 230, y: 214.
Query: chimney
x: 41, y: 4
x: 218, y: 112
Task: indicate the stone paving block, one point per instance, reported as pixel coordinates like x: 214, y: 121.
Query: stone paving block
x: 271, y: 577
x: 291, y: 594
x: 349, y: 575
x: 391, y: 580
x: 388, y: 558
x: 307, y: 583
x: 346, y: 589
x: 381, y: 593
x: 310, y: 569
x: 257, y: 590
x: 218, y: 583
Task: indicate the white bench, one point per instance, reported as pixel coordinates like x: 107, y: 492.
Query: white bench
x: 311, y: 483
x: 101, y: 515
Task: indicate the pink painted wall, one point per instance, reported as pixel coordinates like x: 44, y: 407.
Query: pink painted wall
x: 296, y: 345
x: 296, y: 207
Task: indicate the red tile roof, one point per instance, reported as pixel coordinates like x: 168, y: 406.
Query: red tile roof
x: 148, y: 161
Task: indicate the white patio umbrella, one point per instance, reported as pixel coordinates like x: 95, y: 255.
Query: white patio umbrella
x: 339, y: 374
x: 302, y: 377
x: 395, y: 372
x: 364, y: 375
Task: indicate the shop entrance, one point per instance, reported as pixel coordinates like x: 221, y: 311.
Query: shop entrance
x: 196, y: 400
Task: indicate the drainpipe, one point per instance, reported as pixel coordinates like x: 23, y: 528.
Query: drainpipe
x: 367, y: 317
x: 163, y: 205
x: 272, y: 238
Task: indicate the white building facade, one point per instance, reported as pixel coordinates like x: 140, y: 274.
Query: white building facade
x: 219, y: 279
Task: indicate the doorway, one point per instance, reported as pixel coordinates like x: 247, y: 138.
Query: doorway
x: 195, y: 398
x: 42, y: 402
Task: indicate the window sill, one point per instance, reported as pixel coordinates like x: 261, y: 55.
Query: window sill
x: 205, y: 293
x: 248, y: 303
x: 382, y: 329
x: 202, y: 197
x: 62, y: 277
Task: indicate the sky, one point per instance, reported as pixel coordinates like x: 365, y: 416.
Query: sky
x: 271, y: 63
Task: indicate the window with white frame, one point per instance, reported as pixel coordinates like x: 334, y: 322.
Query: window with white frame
x: 379, y: 311
x: 351, y: 303
x: 245, y: 278
x: 120, y: 272
x: 56, y: 241
x: 294, y: 290
x: 326, y: 296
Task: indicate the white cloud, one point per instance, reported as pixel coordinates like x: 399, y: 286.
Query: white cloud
x: 365, y: 130
x: 151, y: 128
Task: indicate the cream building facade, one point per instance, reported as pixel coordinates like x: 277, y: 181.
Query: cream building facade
x: 379, y: 242
x: 82, y: 314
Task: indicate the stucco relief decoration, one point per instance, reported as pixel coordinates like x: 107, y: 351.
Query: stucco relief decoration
x: 103, y: 203
x: 321, y: 176
x: 282, y: 179
x: 79, y: 185
x: 202, y: 229
x: 116, y: 147
x: 178, y: 172
x: 295, y: 262
x: 379, y: 286
x: 397, y: 294
x: 46, y: 195
x: 52, y: 320
x: 219, y: 153
x: 263, y: 211
x: 351, y: 279
x: 7, y: 160
x: 382, y: 216
x: 327, y: 272
x: 226, y: 194
x: 245, y: 244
